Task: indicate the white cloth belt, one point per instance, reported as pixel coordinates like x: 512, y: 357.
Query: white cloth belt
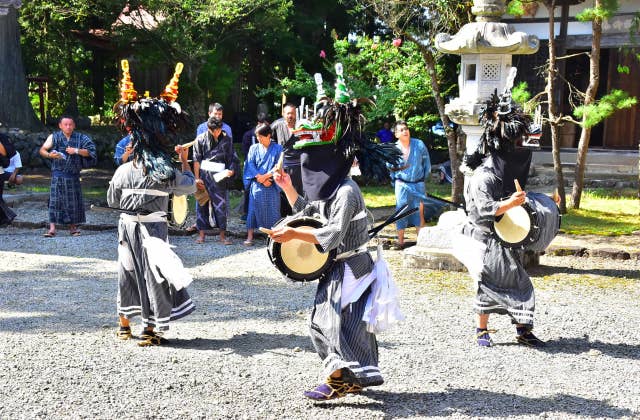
x: 158, y: 216
x: 144, y: 191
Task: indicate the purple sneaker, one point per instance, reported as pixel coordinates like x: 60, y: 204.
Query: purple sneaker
x: 483, y: 337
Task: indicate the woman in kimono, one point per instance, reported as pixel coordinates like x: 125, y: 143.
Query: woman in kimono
x: 503, y: 285
x: 213, y: 154
x: 141, y: 188
x: 348, y: 350
x: 264, y: 195
x: 408, y: 179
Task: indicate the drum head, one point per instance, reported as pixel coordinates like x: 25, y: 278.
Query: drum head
x: 300, y: 260
x: 302, y: 257
x: 514, y: 227
x: 178, y: 209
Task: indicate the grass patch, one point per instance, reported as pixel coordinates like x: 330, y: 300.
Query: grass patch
x: 606, y: 212
x: 378, y: 196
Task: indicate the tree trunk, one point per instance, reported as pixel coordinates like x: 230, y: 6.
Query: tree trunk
x: 553, y: 117
x: 590, y: 97
x: 16, y: 110
x: 457, y: 187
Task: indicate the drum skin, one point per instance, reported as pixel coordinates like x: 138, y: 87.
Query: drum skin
x: 178, y: 210
x: 531, y: 226
x: 299, y: 260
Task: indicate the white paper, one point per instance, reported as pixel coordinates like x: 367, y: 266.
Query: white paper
x: 221, y: 175
x: 213, y: 167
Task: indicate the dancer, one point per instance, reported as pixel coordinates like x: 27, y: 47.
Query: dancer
x: 343, y: 340
x: 503, y: 285
x: 151, y: 279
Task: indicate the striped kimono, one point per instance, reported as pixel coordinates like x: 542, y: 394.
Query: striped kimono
x: 264, y: 202
x: 504, y: 287
x: 66, y: 205
x: 142, y: 290
x: 337, y: 329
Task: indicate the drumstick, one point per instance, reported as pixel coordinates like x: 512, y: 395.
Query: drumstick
x: 188, y: 145
x: 518, y: 188
x: 265, y: 230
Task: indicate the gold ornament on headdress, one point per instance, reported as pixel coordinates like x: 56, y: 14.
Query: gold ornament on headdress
x: 127, y: 92
x: 170, y: 92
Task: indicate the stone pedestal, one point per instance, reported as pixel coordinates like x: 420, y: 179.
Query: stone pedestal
x: 434, y: 247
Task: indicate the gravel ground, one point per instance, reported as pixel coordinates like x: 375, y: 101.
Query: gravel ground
x: 245, y: 352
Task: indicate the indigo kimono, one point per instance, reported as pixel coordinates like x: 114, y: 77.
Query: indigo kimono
x: 66, y: 205
x: 220, y: 150
x: 264, y: 202
x: 409, y: 182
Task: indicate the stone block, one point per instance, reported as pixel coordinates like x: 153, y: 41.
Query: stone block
x: 611, y: 253
x: 431, y: 258
x: 566, y: 250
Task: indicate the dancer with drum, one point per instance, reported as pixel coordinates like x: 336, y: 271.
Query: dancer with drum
x: 151, y: 279
x: 503, y: 285
x: 348, y: 349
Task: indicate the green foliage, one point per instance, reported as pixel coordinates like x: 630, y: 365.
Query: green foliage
x: 515, y: 8
x: 595, y: 113
x: 520, y: 94
x: 604, y: 12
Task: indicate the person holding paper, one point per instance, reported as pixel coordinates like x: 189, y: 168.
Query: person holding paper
x: 213, y: 164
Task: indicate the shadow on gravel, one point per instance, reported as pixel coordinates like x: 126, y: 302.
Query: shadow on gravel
x: 595, y: 348
x: 248, y: 344
x: 547, y: 270
x: 481, y: 403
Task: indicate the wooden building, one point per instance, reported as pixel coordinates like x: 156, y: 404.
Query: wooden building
x: 619, y: 48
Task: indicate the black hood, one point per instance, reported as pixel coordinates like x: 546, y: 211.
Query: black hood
x: 323, y: 170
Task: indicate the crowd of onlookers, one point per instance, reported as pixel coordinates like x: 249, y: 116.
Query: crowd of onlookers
x: 217, y: 168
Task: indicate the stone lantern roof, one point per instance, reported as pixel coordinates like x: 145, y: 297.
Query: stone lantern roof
x: 487, y: 35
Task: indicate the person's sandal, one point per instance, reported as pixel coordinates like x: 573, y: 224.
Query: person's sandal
x: 50, y: 234
x: 150, y: 338
x: 526, y: 337
x: 483, y: 338
x: 332, y: 389
x: 124, y: 333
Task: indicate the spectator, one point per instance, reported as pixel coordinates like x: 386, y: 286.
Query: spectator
x: 249, y: 139
x: 283, y: 133
x: 123, y: 150
x: 215, y: 110
x: 385, y: 135
x: 264, y: 195
x: 213, y: 162
x: 10, y: 164
x: 408, y: 179
x: 69, y: 152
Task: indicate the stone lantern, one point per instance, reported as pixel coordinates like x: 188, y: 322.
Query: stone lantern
x: 486, y: 47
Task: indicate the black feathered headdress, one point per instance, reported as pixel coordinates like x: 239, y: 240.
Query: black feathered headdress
x: 152, y: 124
x: 505, y: 125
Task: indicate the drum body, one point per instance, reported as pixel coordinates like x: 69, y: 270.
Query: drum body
x: 300, y: 260
x: 531, y: 226
x: 178, y: 210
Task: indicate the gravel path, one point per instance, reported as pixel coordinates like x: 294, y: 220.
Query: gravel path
x: 245, y: 352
